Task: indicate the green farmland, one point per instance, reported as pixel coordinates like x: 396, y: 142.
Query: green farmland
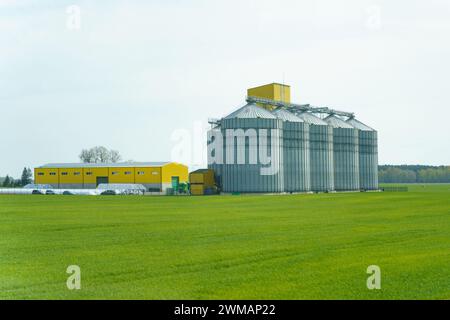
x: 230, y: 247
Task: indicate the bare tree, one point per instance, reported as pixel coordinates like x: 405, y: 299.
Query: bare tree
x: 114, y: 156
x: 100, y: 154
x: 87, y: 156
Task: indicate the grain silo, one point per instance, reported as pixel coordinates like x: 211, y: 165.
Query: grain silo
x: 346, y: 154
x: 321, y: 153
x: 253, y: 151
x: 216, y: 150
x: 296, y: 157
x: 368, y: 155
x: 304, y: 151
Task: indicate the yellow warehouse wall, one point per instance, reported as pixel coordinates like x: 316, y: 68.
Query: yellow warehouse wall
x: 150, y: 176
x: 46, y: 178
x: 38, y: 179
x: 71, y: 177
x: 96, y: 172
x: 121, y: 177
x: 175, y: 170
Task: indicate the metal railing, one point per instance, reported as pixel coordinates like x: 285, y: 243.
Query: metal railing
x: 299, y: 107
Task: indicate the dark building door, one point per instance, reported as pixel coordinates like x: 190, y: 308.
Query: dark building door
x: 101, y: 180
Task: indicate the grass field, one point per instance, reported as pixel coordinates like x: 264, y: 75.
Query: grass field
x: 235, y: 247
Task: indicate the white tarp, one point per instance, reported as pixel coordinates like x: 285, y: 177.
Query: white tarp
x: 121, y: 186
x: 16, y: 191
x: 76, y: 192
x: 38, y: 186
x: 118, y: 189
x: 79, y: 192
x: 122, y: 189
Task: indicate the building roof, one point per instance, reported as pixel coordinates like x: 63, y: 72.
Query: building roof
x: 287, y: 116
x: 105, y: 165
x: 359, y: 125
x: 311, y: 119
x: 202, y: 171
x: 251, y: 111
x: 336, y: 122
x: 270, y: 84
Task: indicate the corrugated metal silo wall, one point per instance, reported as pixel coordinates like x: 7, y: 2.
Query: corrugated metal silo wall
x: 296, y: 157
x: 321, y: 155
x: 368, y: 160
x: 217, y: 167
x: 247, y: 177
x: 346, y: 159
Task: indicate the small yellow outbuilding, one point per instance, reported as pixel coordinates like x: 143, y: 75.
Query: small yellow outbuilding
x: 202, y: 182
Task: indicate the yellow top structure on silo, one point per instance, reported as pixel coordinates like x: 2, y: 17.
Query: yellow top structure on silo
x: 273, y: 91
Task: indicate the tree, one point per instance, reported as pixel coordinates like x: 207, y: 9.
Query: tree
x: 414, y: 174
x: 26, y: 176
x: 30, y: 173
x: 99, y: 154
x: 115, y: 156
x: 16, y: 183
x: 7, y: 182
x: 87, y: 156
x: 397, y: 175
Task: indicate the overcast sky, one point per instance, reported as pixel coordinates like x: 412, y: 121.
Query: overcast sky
x: 137, y: 75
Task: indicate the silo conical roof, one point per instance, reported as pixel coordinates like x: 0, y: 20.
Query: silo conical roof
x: 359, y: 125
x: 287, y: 116
x: 311, y: 119
x: 336, y: 122
x: 251, y: 111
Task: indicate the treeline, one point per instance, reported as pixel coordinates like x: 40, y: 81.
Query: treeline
x: 386, y: 174
x: 10, y: 182
x: 413, y: 174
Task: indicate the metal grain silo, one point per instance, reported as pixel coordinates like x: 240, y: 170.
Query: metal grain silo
x: 295, y: 152
x: 216, y: 140
x: 321, y: 153
x: 368, y: 155
x: 253, y: 151
x: 346, y: 154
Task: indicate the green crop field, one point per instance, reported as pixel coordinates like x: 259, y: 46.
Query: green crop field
x: 228, y: 247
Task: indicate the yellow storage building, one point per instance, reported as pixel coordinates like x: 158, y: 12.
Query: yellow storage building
x: 202, y: 182
x: 155, y: 176
x: 197, y: 189
x: 202, y: 176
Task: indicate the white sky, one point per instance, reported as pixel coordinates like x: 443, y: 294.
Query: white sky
x: 137, y: 74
